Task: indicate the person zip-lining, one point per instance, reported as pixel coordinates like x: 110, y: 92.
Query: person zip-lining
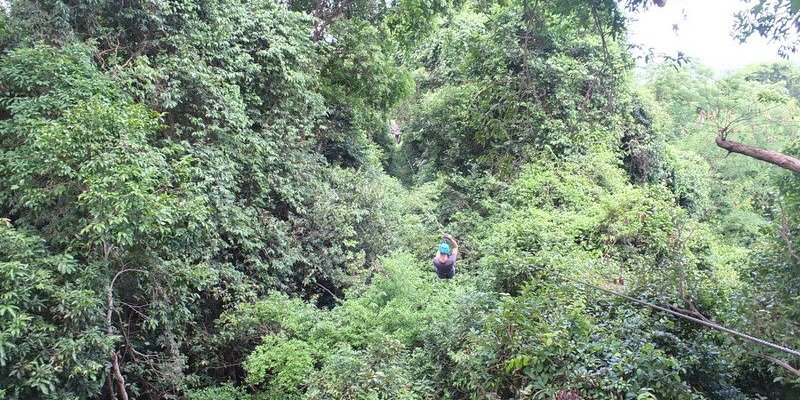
x: 444, y: 262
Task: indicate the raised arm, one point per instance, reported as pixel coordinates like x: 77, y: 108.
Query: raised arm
x: 453, y: 243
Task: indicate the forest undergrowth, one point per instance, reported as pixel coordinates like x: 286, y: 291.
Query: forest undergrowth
x: 203, y: 199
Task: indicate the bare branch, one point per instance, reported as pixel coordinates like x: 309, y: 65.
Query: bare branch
x: 783, y: 364
x: 329, y: 292
x: 116, y: 371
x: 772, y: 157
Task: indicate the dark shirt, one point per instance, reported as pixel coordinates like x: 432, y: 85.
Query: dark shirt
x: 447, y: 269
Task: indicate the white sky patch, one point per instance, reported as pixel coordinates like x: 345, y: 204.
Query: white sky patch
x: 703, y: 33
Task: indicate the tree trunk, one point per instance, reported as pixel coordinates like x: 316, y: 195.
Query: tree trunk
x: 772, y: 157
x: 116, y: 372
x: 123, y: 394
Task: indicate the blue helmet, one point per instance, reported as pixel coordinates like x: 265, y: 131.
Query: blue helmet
x: 444, y: 248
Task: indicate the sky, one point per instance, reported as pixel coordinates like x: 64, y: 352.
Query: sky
x: 704, y: 33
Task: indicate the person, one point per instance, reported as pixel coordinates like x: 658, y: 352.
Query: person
x: 444, y: 262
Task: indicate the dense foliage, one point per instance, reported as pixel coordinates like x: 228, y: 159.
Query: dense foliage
x: 202, y: 199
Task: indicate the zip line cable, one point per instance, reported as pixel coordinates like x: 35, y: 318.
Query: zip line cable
x: 698, y: 321
x: 708, y: 324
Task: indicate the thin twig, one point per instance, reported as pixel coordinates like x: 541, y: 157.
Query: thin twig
x: 331, y: 293
x: 786, y: 234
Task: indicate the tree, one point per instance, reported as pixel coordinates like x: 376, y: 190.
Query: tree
x: 775, y: 20
x: 52, y: 345
x: 174, y: 156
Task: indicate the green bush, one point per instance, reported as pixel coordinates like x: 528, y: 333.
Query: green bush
x: 224, y: 392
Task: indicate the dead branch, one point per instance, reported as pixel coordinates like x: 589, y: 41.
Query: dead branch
x: 783, y: 364
x: 769, y: 156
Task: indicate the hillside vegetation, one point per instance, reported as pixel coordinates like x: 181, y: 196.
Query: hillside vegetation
x: 203, y: 199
